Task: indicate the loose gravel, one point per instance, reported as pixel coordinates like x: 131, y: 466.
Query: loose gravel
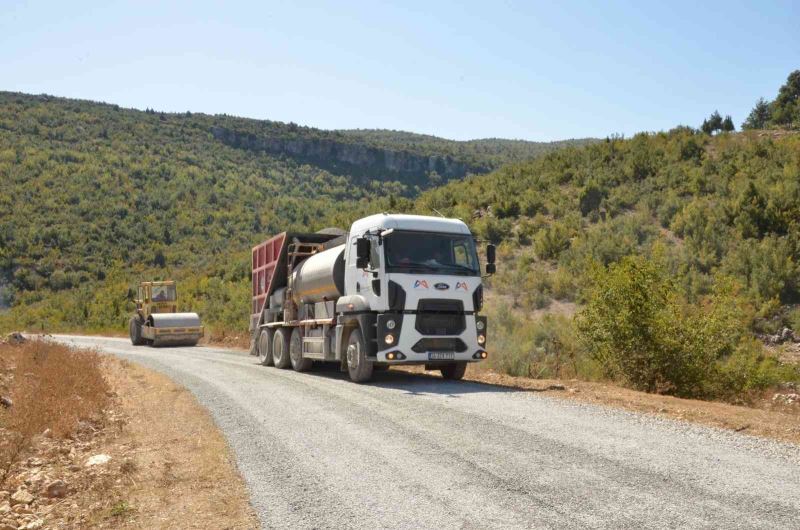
x: 409, y: 451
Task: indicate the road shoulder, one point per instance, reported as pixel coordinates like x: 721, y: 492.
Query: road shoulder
x: 156, y: 461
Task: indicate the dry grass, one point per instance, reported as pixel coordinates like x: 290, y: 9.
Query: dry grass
x: 52, y: 387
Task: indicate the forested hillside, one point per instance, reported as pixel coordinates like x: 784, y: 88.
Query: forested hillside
x: 88, y: 188
x: 653, y: 261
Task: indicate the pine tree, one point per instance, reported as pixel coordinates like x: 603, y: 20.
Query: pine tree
x: 758, y: 117
x: 715, y: 121
x: 727, y: 124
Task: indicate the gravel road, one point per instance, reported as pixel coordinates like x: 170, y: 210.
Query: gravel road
x: 410, y: 451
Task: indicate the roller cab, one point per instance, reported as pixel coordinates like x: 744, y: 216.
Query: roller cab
x: 157, y: 322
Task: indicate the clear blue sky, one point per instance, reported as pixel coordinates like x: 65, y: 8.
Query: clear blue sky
x: 532, y: 70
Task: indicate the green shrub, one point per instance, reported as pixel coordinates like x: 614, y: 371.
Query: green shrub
x: 551, y: 241
x: 642, y: 332
x: 543, y: 348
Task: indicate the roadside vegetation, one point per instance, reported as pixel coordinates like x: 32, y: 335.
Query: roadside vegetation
x: 49, y: 388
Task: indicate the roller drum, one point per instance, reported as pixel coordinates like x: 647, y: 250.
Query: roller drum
x: 186, y: 326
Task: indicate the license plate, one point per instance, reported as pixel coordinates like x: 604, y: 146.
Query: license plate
x: 441, y: 355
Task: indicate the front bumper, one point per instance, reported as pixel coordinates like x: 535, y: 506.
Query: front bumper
x: 409, y: 346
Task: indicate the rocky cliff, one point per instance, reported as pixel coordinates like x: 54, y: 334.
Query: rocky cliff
x: 342, y: 157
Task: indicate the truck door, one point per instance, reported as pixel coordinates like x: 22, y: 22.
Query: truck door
x: 359, y: 281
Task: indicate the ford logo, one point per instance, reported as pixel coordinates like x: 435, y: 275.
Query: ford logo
x: 442, y: 286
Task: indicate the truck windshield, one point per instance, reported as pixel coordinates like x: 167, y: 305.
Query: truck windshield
x: 164, y: 293
x: 431, y: 253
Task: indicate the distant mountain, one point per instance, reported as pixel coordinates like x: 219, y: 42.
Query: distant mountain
x: 491, y: 151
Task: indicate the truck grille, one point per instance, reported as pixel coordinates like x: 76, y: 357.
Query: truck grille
x: 440, y: 317
x: 439, y: 344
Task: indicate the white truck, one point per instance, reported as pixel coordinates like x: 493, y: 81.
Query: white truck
x: 394, y: 289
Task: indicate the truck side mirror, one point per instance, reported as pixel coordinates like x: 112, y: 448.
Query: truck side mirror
x: 362, y: 252
x: 490, y: 257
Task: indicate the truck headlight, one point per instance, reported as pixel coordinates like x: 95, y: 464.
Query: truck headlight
x: 389, y: 338
x: 481, y: 338
x: 480, y: 325
x: 390, y: 324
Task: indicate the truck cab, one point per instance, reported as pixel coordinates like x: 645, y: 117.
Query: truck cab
x: 394, y: 289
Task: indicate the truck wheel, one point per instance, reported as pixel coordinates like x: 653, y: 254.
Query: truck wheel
x: 358, y: 366
x: 265, y: 347
x: 453, y: 371
x: 296, y: 353
x: 135, y: 328
x: 280, y: 348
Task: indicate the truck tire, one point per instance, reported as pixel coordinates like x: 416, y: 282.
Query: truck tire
x: 264, y: 347
x: 453, y: 371
x: 280, y: 348
x: 135, y: 329
x: 296, y: 352
x: 358, y: 366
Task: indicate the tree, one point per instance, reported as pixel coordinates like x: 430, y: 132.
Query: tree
x: 727, y: 124
x: 786, y: 107
x: 712, y: 124
x: 759, y: 116
x: 159, y: 260
x: 715, y: 121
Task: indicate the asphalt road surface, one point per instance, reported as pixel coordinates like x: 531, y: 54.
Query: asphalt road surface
x: 411, y: 451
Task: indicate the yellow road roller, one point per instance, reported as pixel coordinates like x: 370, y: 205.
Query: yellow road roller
x: 157, y: 322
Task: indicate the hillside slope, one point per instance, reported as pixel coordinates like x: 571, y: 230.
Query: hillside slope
x: 724, y: 204
x: 93, y: 192
x: 88, y: 188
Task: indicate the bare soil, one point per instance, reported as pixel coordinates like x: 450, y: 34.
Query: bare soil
x: 159, y: 463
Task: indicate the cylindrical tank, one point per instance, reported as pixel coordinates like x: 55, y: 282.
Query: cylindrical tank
x: 320, y: 277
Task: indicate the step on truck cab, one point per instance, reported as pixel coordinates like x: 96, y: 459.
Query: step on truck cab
x: 394, y: 289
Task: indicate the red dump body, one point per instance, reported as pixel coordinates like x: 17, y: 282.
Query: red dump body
x: 270, y: 267
x: 265, y: 260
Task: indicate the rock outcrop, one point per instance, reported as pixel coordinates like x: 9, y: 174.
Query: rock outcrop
x: 352, y: 158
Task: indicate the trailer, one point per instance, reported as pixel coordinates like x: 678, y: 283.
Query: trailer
x: 393, y: 289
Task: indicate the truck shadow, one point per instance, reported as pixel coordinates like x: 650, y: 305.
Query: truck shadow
x: 415, y: 383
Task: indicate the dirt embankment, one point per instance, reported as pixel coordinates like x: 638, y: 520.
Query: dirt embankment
x: 141, y: 454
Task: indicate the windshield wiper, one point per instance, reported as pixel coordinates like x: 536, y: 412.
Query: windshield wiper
x: 414, y: 265
x: 437, y: 267
x: 461, y: 268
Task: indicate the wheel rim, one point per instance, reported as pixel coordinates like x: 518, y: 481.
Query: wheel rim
x: 294, y: 349
x: 278, y: 349
x: 263, y: 346
x: 352, y: 356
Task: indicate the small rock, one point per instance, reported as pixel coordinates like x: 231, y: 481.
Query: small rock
x: 15, y: 338
x: 21, y: 497
x: 6, y: 526
x: 573, y: 390
x: 47, y: 433
x: 98, y: 460
x: 57, y: 488
x: 6, y: 401
x: 34, y: 525
x: 4, y: 508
